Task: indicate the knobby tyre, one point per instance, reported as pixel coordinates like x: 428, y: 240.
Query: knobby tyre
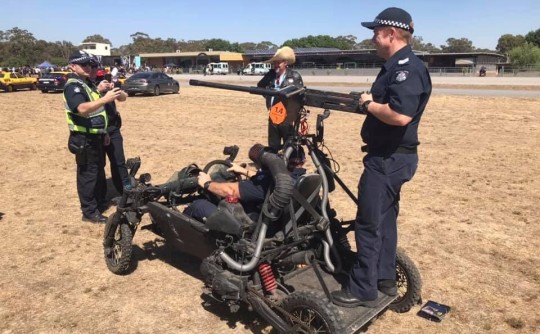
x: 119, y: 258
x: 315, y: 312
x: 409, y: 283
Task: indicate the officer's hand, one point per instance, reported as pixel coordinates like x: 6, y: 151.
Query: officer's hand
x: 112, y: 94
x: 104, y: 86
x: 365, y: 97
x: 106, y: 140
x: 202, y: 178
x: 237, y: 169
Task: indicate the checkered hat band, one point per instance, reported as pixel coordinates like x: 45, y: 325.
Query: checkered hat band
x: 81, y: 59
x: 393, y: 24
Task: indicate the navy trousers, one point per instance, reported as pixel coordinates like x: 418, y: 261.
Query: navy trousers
x: 278, y: 134
x: 117, y: 159
x: 91, y: 187
x: 375, y: 227
x: 200, y: 209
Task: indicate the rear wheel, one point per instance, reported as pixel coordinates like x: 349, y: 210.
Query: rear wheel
x: 10, y: 88
x: 33, y: 87
x: 409, y: 283
x: 156, y: 91
x: 44, y: 91
x: 312, y: 310
x: 131, y: 94
x: 118, y: 258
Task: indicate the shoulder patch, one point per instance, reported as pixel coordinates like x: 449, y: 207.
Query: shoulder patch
x: 403, y: 61
x: 77, y: 89
x: 401, y: 76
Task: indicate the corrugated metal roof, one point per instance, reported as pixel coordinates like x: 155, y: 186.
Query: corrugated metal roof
x: 187, y: 54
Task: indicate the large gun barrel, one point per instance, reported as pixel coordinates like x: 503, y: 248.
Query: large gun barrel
x: 309, y: 97
x: 284, y: 92
x: 334, y: 101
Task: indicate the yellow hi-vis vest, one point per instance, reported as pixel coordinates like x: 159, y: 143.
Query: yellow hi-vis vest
x: 96, y: 122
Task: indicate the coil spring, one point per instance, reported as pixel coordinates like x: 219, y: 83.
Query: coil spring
x: 268, y: 279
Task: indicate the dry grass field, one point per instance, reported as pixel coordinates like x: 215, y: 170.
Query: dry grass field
x: 467, y: 218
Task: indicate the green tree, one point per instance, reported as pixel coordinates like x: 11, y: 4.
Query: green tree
x: 458, y: 45
x: 265, y: 45
x: 365, y: 44
x: 322, y: 41
x: 18, y: 47
x: 508, y: 41
x: 527, y: 54
x: 533, y: 37
x: 97, y: 39
x: 218, y: 44
x: 417, y: 43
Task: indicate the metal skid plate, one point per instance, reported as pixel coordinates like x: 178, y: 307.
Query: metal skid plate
x: 355, y: 317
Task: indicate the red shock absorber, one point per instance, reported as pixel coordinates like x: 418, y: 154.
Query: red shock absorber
x: 268, y: 279
x: 304, y: 126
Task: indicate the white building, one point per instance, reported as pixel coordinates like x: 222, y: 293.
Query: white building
x: 98, y: 49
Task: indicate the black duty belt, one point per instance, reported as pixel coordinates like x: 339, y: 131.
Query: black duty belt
x: 400, y: 149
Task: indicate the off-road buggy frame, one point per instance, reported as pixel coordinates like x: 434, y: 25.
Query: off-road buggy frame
x: 282, y: 263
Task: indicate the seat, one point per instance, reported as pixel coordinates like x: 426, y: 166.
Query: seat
x: 308, y: 186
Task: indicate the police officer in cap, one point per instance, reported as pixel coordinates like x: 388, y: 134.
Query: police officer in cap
x: 115, y: 149
x: 282, y: 114
x: 390, y: 131
x: 87, y: 121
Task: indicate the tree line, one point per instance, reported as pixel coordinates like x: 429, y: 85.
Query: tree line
x: 19, y: 47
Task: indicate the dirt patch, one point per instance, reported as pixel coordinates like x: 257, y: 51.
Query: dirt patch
x: 468, y: 218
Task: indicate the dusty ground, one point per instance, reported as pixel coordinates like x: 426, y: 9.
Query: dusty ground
x: 467, y: 219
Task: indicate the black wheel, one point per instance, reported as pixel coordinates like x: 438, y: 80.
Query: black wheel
x: 217, y: 169
x: 409, y: 283
x: 156, y: 91
x: 119, y: 258
x: 33, y: 87
x: 10, y: 88
x: 312, y: 310
x: 44, y: 91
x: 131, y: 94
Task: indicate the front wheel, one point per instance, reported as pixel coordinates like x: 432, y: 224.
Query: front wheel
x: 156, y: 91
x: 409, y: 283
x: 312, y: 310
x: 118, y: 257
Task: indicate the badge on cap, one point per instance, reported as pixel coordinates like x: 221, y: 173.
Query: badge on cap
x: 401, y: 76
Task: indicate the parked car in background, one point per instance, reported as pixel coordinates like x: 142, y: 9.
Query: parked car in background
x: 10, y: 82
x: 52, y: 82
x: 150, y: 83
x: 218, y: 68
x: 257, y: 69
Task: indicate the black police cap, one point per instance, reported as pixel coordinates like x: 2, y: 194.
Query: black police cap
x: 392, y: 17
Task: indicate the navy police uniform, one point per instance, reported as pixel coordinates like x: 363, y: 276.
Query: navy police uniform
x: 115, y: 150
x: 252, y: 194
x: 404, y: 83
x: 86, y: 142
x: 278, y: 133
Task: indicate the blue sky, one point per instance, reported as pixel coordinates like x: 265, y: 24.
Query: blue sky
x: 481, y: 21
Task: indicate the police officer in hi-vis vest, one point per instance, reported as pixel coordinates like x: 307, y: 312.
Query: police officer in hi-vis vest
x: 87, y: 121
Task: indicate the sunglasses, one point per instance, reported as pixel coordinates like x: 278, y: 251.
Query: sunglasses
x: 88, y: 64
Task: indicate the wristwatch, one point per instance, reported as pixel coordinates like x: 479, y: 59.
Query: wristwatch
x: 207, y: 184
x: 366, y: 104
